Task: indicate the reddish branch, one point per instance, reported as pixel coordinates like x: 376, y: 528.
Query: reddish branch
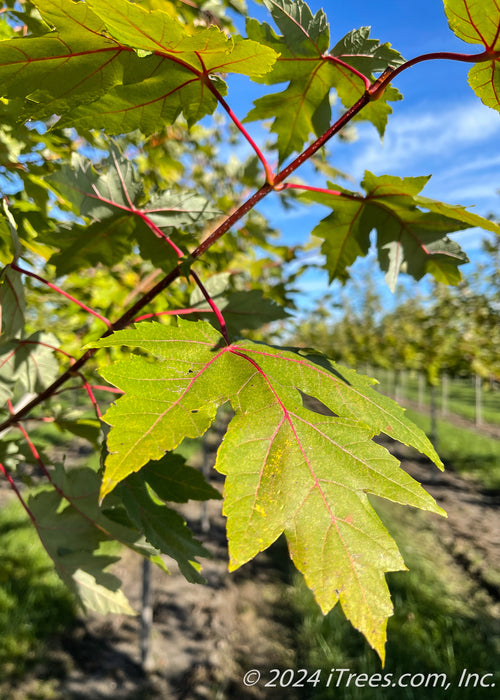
x: 487, y: 55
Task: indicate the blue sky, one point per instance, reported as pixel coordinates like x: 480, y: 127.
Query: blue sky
x: 440, y: 128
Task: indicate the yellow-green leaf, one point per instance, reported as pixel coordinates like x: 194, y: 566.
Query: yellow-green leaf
x: 289, y: 468
x: 478, y: 22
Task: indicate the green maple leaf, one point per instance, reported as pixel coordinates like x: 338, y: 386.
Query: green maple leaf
x: 479, y: 23
x: 163, y: 527
x: 288, y: 468
x: 72, y: 537
x: 176, y: 77
x: 208, y: 50
x: 408, y: 238
x: 27, y: 365
x: 12, y: 304
x: 84, y: 246
x: 304, y: 62
x: 73, y: 64
x: 74, y: 528
x: 121, y: 67
x: 111, y: 197
x: 368, y: 56
x: 173, y: 480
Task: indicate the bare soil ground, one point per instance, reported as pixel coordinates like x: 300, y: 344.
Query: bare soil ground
x: 206, y: 637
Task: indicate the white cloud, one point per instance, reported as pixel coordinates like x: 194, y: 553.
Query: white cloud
x: 419, y: 141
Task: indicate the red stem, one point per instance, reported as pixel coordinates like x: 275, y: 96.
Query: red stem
x: 336, y: 59
x: 308, y: 188
x: 40, y: 462
x: 437, y: 55
x: 102, y: 387
x: 267, y: 167
x: 322, y: 190
x: 13, y: 486
x: 86, y: 308
x: 38, y: 459
x: 213, y: 305
x: 173, y: 312
x: 158, y: 232
x: 51, y: 347
x: 92, y: 398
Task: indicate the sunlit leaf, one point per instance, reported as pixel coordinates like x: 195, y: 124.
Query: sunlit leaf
x: 121, y: 67
x: 409, y: 239
x: 478, y: 23
x: 303, y: 108
x: 289, y: 468
x: 12, y: 304
x: 112, y: 197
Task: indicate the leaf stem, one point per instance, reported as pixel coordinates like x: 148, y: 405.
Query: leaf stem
x: 213, y: 305
x: 83, y: 306
x: 58, y: 489
x: 158, y: 232
x: 309, y: 188
x: 267, y: 167
x: 38, y: 459
x: 14, y: 487
x: 351, y: 69
x: 173, y: 312
x: 320, y: 190
x: 92, y: 398
x: 102, y: 387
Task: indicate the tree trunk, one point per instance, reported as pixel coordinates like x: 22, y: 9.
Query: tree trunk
x: 445, y: 385
x: 421, y: 389
x: 433, y: 412
x: 146, y: 615
x: 479, y: 402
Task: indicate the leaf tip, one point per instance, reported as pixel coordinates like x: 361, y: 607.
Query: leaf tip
x: 106, y: 487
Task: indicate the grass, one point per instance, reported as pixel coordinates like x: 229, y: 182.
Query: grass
x: 442, y: 624
x: 34, y: 604
x: 469, y: 452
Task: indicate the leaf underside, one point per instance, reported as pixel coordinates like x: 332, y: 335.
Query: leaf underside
x: 312, y: 71
x: 119, y: 67
x: 111, y: 198
x: 411, y: 229
x: 479, y: 23
x: 288, y: 468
